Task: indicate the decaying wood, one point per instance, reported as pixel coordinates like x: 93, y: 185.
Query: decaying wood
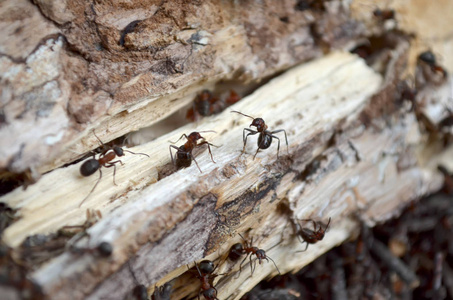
x: 356, y: 150
x: 336, y: 166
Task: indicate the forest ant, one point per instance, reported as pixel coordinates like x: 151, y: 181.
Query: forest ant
x: 239, y: 249
x: 265, y: 136
x: 205, y: 270
x: 108, y: 154
x: 311, y: 236
x: 184, y: 155
x: 206, y: 104
x: 428, y: 59
x: 384, y: 14
x: 104, y: 249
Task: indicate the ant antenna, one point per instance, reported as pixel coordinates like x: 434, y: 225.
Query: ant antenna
x: 328, y: 224
x: 274, y: 264
x: 102, y: 144
x: 243, y: 114
x: 135, y: 153
x: 208, y: 131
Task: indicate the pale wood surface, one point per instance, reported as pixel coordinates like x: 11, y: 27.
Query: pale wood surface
x: 162, y: 226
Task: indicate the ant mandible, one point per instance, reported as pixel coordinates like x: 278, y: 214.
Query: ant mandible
x: 265, y: 136
x: 205, y: 270
x: 108, y: 154
x: 311, y: 236
x: 184, y: 155
x: 239, y: 249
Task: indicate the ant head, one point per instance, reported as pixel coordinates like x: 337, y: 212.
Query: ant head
x: 210, y: 294
x: 259, y: 124
x: 377, y: 12
x: 205, y: 95
x: 194, y: 136
x: 260, y: 254
x: 140, y: 292
x: 427, y: 57
x: 105, y: 249
x: 118, y: 151
x: 206, y: 267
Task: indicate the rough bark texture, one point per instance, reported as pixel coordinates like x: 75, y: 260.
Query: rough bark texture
x: 356, y: 148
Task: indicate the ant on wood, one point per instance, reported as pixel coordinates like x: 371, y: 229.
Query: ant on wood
x: 428, y: 70
x: 108, y: 154
x: 265, y: 136
x: 384, y: 14
x: 184, y: 155
x: 104, y: 249
x: 311, y: 236
x: 239, y: 249
x: 206, y: 104
x: 205, y: 270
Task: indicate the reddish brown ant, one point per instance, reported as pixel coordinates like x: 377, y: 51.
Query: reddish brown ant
x: 239, y: 249
x: 311, y: 236
x: 184, y: 155
x: 104, y: 249
x: 428, y: 68
x: 265, y: 136
x: 108, y: 154
x: 205, y: 270
x: 384, y: 14
x: 205, y: 104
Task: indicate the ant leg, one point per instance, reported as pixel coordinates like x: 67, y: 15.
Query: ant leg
x: 240, y: 266
x: 286, y: 137
x: 100, y: 176
x: 171, y: 155
x: 252, y: 268
x: 184, y: 135
x: 278, y: 145
x: 209, y: 148
x: 306, y: 247
x: 112, y: 164
x: 274, y: 264
x: 195, y: 162
x: 244, y: 137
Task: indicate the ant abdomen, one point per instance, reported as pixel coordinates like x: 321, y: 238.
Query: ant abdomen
x: 236, y: 251
x: 264, y: 141
x: 89, y: 167
x: 183, y: 158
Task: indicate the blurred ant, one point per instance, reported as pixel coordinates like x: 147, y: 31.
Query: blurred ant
x: 104, y: 249
x: 162, y: 292
x: 108, y: 154
x: 206, y: 104
x: 239, y: 249
x: 384, y: 14
x: 184, y: 155
x: 311, y: 236
x: 205, y: 270
x: 428, y: 70
x: 265, y: 136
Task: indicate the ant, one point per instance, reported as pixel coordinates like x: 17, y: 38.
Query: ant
x: 384, y: 14
x: 265, y: 136
x: 184, y: 155
x: 206, y: 104
x: 428, y: 59
x: 205, y: 270
x: 311, y: 236
x: 108, y: 154
x: 104, y: 249
x: 239, y: 249
x: 162, y: 292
